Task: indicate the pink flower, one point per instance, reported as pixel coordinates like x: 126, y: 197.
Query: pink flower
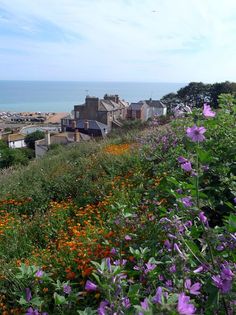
x: 128, y: 238
x: 184, y: 308
x: 196, y: 133
x: 193, y: 289
x: 207, y: 111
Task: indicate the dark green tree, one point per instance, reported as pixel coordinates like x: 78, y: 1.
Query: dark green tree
x: 221, y: 88
x: 32, y: 137
x: 194, y: 94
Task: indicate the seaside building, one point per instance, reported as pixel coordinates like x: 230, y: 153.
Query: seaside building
x: 64, y: 138
x: 143, y: 110
x: 139, y: 111
x: 109, y: 111
x: 157, y: 107
x: 15, y: 140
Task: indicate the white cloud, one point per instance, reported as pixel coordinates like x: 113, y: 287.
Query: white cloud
x: 151, y: 40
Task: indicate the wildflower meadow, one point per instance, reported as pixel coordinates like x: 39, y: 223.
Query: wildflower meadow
x: 140, y: 224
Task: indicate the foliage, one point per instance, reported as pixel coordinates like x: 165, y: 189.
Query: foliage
x: 9, y: 156
x: 32, y: 137
x: 128, y: 227
x: 196, y: 93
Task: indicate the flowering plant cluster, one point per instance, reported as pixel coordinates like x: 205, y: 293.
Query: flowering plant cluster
x: 159, y: 238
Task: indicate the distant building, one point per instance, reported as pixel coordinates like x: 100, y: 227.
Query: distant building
x: 15, y: 140
x: 157, y: 107
x: 139, y: 111
x: 64, y: 138
x: 109, y: 111
x: 143, y: 110
x: 92, y: 128
x: 22, y: 118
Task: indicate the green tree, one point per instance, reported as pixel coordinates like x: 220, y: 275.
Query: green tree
x: 221, y: 88
x: 194, y: 94
x: 32, y: 137
x: 9, y: 156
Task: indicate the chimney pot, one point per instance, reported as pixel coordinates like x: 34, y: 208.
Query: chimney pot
x: 47, y: 138
x: 76, y: 135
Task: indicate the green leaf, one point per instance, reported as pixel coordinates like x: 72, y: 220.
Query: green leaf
x: 204, y: 156
x: 36, y: 301
x: 23, y: 301
x: 232, y: 223
x: 59, y: 299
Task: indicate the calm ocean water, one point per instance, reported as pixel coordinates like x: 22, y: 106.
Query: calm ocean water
x: 48, y: 96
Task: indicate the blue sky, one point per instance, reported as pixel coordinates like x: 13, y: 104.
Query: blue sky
x: 118, y: 40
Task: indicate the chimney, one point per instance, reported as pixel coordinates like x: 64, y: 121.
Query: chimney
x: 73, y: 124
x: 76, y: 135
x: 86, y: 125
x: 47, y: 138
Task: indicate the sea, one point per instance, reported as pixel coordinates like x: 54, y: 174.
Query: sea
x: 59, y: 96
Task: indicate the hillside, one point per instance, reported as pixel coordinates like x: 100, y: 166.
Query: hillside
x: 142, y: 223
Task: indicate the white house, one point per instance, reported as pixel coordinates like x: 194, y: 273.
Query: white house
x: 158, y: 108
x: 16, y: 140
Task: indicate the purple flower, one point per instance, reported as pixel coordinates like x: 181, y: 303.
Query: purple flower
x: 39, y: 273
x: 173, y: 269
x: 179, y: 191
x: 205, y: 168
x: 128, y: 238
x: 126, y: 302
x: 67, y: 289
x: 224, y: 281
x: 113, y: 251
x: 226, y: 273
x: 186, y: 201
x: 184, y: 308
x: 207, y: 111
x: 167, y: 244
x: 90, y: 286
x: 176, y: 247
x: 144, y: 304
x: 108, y: 261
x: 102, y: 308
x: 193, y: 289
x: 169, y: 283
x: 234, y: 200
x: 196, y: 133
x: 220, y: 247
x: 182, y: 160
x: 158, y: 296
x: 149, y: 267
x: 31, y: 311
x: 203, y: 218
x: 120, y: 262
x: 199, y: 269
x: 28, y: 294
x: 223, y: 285
x: 187, y: 167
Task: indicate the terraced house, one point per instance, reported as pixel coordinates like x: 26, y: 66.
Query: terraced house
x: 110, y: 111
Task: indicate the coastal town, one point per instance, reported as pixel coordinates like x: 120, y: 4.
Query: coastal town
x: 96, y: 117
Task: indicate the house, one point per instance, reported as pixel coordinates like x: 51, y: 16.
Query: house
x: 157, y: 107
x: 64, y: 138
x: 143, y: 110
x: 140, y: 111
x: 15, y: 140
x: 92, y: 128
x: 109, y: 111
